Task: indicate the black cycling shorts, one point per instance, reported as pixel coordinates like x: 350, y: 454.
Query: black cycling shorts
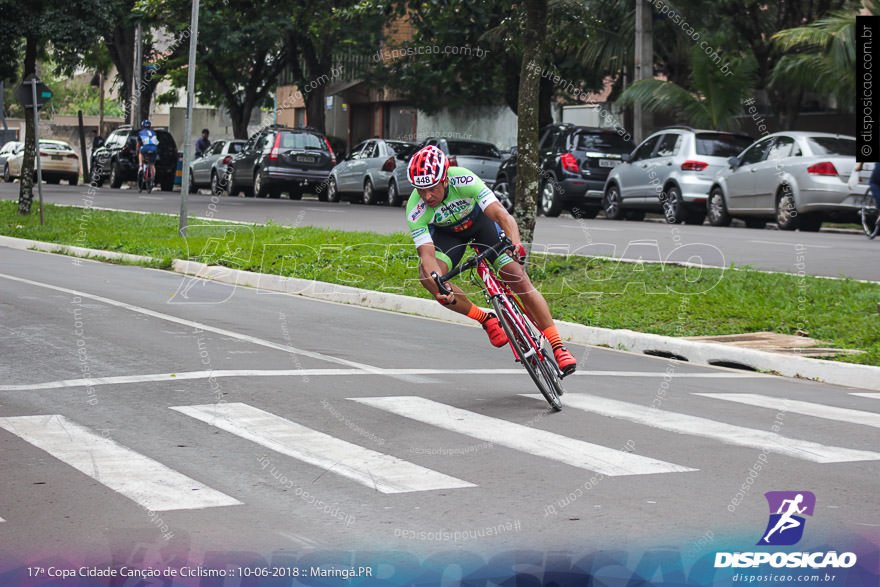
x: 451, y: 245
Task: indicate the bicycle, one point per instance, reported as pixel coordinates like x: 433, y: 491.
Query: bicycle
x: 869, y: 216
x: 146, y: 178
x: 528, y: 343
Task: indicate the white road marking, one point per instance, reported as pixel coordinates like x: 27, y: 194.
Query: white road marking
x: 867, y: 395
x: 726, y: 433
x: 570, y: 451
x: 196, y: 325
x: 376, y: 470
x: 160, y: 377
x: 586, y: 228
x: 141, y: 479
x: 798, y: 407
x: 790, y: 244
x: 2, y: 520
x: 159, y: 198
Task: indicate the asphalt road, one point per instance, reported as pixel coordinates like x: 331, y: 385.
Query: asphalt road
x: 824, y: 253
x: 132, y: 425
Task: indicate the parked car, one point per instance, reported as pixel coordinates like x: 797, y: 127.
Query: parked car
x: 670, y: 172
x: 797, y: 178
x: 6, y: 151
x: 209, y: 169
x: 58, y: 161
x: 117, y: 159
x: 481, y: 157
x: 366, y: 171
x: 281, y: 159
x: 573, y: 164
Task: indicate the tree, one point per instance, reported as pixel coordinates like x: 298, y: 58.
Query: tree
x: 70, y: 26
x: 711, y: 100
x: 821, y: 57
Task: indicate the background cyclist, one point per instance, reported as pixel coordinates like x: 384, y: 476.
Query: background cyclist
x: 148, y: 147
x: 451, y: 207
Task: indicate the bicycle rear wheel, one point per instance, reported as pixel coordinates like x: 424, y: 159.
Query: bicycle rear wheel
x: 869, y: 216
x: 533, y: 357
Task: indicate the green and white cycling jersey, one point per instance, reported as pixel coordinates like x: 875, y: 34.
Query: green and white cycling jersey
x: 466, y: 198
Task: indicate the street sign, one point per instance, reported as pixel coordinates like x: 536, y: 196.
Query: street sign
x: 24, y: 94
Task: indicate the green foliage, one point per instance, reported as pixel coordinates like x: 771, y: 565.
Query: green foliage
x: 714, y: 102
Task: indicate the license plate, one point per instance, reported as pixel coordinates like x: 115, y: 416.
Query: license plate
x: 305, y: 159
x: 57, y: 157
x: 609, y: 163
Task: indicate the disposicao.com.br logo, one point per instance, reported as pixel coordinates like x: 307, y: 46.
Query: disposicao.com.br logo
x: 785, y: 528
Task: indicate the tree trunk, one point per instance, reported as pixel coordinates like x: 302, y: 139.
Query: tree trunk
x: 528, y: 118
x: 26, y: 188
x: 315, y: 94
x: 240, y: 116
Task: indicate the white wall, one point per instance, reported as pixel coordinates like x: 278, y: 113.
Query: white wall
x: 495, y: 124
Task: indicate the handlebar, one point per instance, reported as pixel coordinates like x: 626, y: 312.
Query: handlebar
x: 441, y: 280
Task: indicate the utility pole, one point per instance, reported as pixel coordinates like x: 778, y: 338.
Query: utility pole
x: 138, y: 66
x: 190, y: 97
x: 644, y: 65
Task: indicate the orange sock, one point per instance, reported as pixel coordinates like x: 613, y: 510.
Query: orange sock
x: 477, y: 314
x: 553, y: 337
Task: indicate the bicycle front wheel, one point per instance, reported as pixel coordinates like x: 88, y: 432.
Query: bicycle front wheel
x: 869, y: 215
x: 529, y: 351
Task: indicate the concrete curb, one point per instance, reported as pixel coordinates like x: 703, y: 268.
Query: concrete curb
x: 697, y: 352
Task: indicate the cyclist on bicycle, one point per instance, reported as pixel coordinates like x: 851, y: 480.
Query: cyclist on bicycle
x: 451, y: 207
x: 148, y: 147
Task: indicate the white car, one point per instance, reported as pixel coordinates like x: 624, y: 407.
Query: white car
x: 57, y: 159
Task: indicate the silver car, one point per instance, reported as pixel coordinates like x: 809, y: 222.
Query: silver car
x: 797, y: 178
x: 209, y: 169
x: 670, y: 172
x: 481, y: 157
x: 366, y: 172
x: 8, y: 150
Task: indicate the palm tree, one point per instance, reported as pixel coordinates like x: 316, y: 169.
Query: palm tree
x: 821, y: 57
x: 713, y: 100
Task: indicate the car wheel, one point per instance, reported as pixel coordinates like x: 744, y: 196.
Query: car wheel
x: 716, y: 209
x: 584, y: 212
x: 673, y: 205
x: 332, y: 191
x: 215, y: 184
x: 193, y: 188
x: 230, y: 187
x: 502, y: 192
x: 786, y: 211
x: 612, y: 204
x: 73, y: 180
x: 369, y: 195
x: 393, y: 198
x: 551, y: 200
x: 260, y: 190
x: 757, y: 223
x: 7, y: 177
x: 115, y: 175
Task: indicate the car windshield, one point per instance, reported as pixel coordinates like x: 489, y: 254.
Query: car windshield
x: 601, y: 141
x: 469, y: 149
x: 713, y: 144
x: 301, y: 140
x: 235, y: 148
x: 398, y: 147
x: 55, y: 146
x: 832, y: 146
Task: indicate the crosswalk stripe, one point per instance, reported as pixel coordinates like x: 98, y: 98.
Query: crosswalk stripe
x: 726, y: 433
x: 523, y: 438
x: 380, y: 471
x: 141, y: 479
x: 868, y: 395
x: 800, y: 407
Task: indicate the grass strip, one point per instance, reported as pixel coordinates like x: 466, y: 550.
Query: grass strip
x: 654, y: 298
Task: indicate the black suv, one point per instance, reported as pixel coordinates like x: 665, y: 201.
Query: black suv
x: 574, y: 163
x: 117, y: 159
x: 281, y: 159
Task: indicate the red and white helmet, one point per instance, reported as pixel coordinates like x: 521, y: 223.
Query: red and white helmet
x: 428, y: 167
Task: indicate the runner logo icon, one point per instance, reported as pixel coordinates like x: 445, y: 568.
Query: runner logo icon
x: 786, y: 524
